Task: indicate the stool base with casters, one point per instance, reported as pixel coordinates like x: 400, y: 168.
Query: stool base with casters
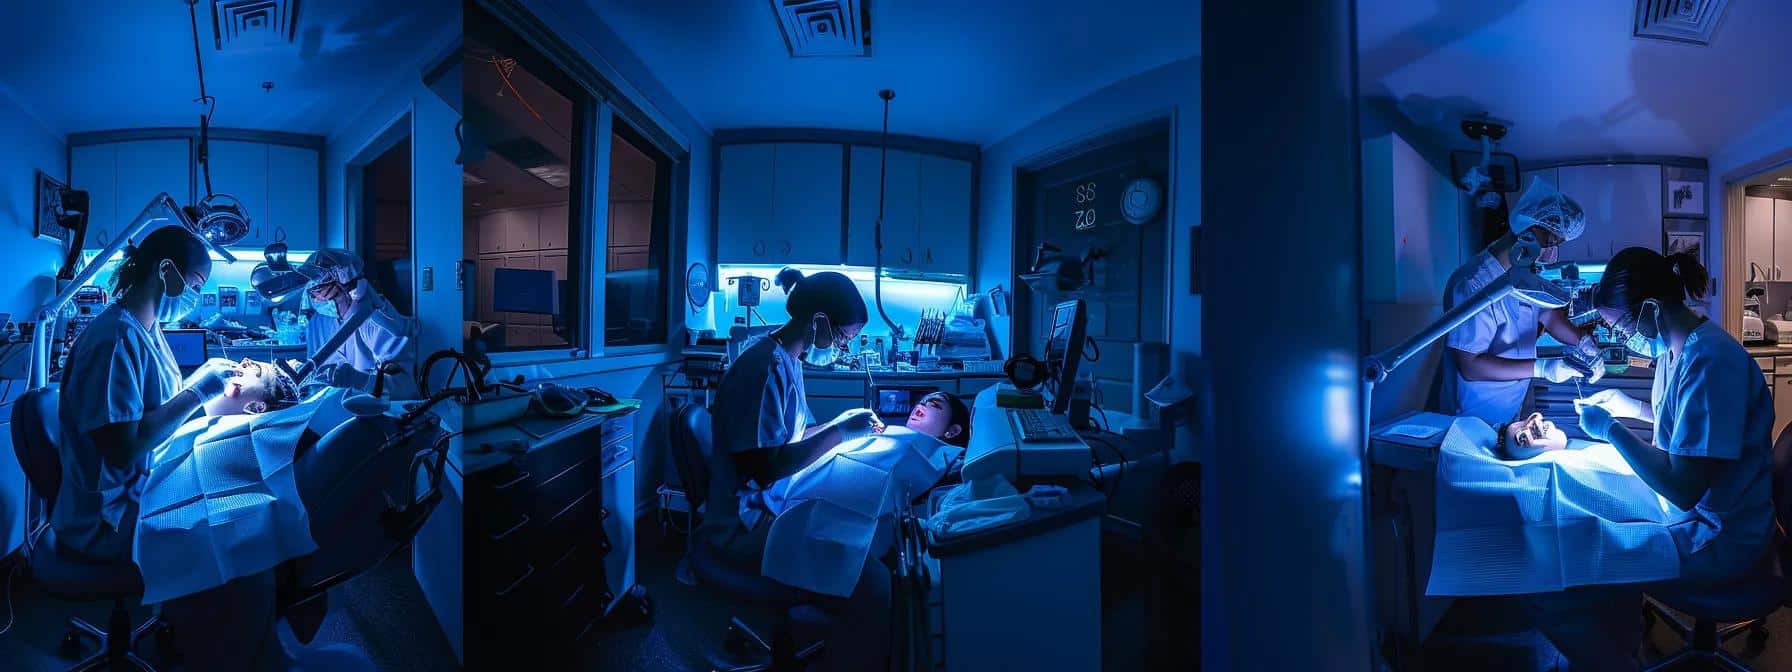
x: 1704, y: 639
x: 114, y: 651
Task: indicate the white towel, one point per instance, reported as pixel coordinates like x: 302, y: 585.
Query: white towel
x: 1566, y: 518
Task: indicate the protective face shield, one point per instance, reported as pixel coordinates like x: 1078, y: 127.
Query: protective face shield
x: 1542, y: 207
x: 178, y: 300
x: 1642, y: 333
x: 823, y: 347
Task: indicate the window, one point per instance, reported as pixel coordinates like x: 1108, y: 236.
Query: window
x: 635, y: 309
x: 524, y: 121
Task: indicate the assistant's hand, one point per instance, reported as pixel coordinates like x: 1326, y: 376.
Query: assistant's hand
x: 1597, y: 422
x: 1617, y: 403
x: 856, y: 423
x: 1554, y: 369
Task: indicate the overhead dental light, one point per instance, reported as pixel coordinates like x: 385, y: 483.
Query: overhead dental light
x: 220, y: 219
x: 877, y: 274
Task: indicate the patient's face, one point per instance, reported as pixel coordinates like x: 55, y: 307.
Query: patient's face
x: 1536, y: 434
x: 249, y: 392
x: 933, y: 417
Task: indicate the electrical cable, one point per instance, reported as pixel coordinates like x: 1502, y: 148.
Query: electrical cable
x: 1089, y: 342
x: 507, y: 66
x: 877, y: 274
x: 205, y: 120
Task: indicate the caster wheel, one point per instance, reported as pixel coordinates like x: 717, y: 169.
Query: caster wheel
x: 1757, y: 636
x: 643, y: 605
x: 165, y: 643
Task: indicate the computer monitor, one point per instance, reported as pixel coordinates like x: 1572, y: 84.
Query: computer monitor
x: 188, y: 346
x: 1064, y: 349
x: 524, y: 290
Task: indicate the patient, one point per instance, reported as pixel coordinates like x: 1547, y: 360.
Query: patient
x: 257, y: 388
x: 1529, y: 437
x: 942, y: 416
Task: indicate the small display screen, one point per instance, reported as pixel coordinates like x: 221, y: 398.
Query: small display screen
x: 188, y: 346
x: 895, y: 401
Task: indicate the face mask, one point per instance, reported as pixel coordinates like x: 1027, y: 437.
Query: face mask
x: 178, y: 307
x: 324, y: 308
x: 1649, y: 347
x: 819, y: 354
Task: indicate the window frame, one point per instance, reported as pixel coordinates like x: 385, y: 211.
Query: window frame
x: 599, y: 106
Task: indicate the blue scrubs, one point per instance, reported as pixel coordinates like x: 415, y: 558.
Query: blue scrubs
x: 118, y: 370
x: 760, y: 403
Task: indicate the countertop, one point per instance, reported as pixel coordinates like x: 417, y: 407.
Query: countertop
x: 897, y: 375
x: 1769, y: 350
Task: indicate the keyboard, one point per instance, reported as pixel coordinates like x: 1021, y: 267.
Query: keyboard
x: 1039, y: 425
x: 982, y: 366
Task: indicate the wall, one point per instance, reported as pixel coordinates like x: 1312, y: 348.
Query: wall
x: 32, y: 263
x: 1170, y: 91
x: 636, y: 375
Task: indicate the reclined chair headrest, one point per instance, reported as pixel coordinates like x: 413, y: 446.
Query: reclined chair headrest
x: 691, y: 451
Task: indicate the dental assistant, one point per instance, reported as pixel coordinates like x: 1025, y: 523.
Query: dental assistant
x: 1710, y: 454
x: 339, y: 288
x: 122, y: 394
x: 1493, y: 356
x: 763, y: 432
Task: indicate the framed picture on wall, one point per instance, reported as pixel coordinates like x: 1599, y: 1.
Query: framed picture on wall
x: 45, y: 224
x: 1684, y: 198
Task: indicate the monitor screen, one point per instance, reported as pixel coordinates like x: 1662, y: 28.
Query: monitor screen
x: 188, y: 346
x: 524, y: 290
x: 1064, y: 350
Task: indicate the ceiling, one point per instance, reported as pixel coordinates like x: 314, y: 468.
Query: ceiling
x: 971, y: 72
x: 1570, y: 76
x: 344, y: 54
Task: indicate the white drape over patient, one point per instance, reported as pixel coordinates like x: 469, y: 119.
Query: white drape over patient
x: 828, y: 513
x: 1564, y: 518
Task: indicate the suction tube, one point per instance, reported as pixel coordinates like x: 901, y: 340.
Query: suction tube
x: 877, y: 274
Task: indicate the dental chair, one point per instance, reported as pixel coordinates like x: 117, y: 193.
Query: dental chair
x: 692, y: 449
x: 67, y: 576
x: 1724, y: 611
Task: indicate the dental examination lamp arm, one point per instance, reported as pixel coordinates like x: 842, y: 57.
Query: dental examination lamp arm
x: 361, y: 312
x: 1521, y: 280
x: 48, y: 312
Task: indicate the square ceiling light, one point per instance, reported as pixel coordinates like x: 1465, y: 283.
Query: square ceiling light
x: 1684, y: 21
x: 824, y: 27
x: 242, y: 25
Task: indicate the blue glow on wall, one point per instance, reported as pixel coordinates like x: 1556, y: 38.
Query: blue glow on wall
x: 233, y: 275
x: 903, y: 299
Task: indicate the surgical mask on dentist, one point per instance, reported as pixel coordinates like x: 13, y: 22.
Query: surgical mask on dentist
x: 175, y: 306
x: 324, y: 308
x: 821, y: 350
x: 1649, y: 347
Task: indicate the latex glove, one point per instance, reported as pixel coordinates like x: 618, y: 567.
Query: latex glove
x: 856, y: 423
x: 341, y: 374
x: 1597, y: 422
x: 210, y: 379
x: 1554, y: 370
x: 1615, y: 402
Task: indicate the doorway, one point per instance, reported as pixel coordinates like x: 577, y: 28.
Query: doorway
x: 1074, y: 204
x: 386, y: 231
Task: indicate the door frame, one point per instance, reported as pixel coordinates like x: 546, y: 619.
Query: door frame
x: 1733, y: 186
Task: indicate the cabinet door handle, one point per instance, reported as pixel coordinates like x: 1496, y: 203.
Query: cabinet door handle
x: 520, y: 478
x: 786, y: 248
x: 513, y: 528
x: 929, y: 255
x: 908, y: 255
x: 758, y: 248
x: 519, y: 581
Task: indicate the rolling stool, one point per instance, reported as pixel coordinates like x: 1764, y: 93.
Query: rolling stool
x: 1742, y: 605
x: 753, y: 652
x: 74, y: 579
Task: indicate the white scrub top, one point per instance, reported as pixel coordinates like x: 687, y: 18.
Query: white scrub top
x: 1508, y: 328
x: 760, y: 403
x: 1715, y: 404
x: 368, y: 347
x: 117, y: 371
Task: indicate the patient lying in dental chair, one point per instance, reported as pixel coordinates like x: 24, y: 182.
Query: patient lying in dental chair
x: 257, y: 388
x: 831, y: 514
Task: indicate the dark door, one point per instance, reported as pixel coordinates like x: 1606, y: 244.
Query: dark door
x: 385, y: 244
x: 1074, y: 204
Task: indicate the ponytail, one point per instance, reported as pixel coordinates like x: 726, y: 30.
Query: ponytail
x: 1639, y: 274
x: 1693, y: 274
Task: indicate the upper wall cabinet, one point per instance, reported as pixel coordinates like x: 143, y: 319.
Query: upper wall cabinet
x: 782, y: 203
x: 1622, y: 204
x: 121, y: 177
x: 277, y: 185
x: 779, y: 203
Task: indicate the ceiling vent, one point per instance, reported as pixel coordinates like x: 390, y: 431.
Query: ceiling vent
x: 243, y: 25
x: 824, y: 27
x: 1684, y: 21
x: 536, y: 160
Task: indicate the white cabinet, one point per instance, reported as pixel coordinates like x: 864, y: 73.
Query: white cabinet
x: 1782, y: 397
x: 522, y: 230
x: 491, y: 233
x: 943, y: 231
x: 555, y: 224
x: 240, y: 169
x: 807, y: 192
x: 1622, y: 205
x: 743, y: 202
x: 1758, y: 239
x: 293, y: 213
x: 901, y: 203
x: 1782, y: 239
x: 122, y: 177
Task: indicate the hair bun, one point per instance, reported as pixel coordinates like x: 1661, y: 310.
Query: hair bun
x: 788, y: 278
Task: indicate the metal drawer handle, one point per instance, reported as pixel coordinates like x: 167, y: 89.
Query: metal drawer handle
x: 519, y: 525
x: 519, y: 581
x: 523, y: 477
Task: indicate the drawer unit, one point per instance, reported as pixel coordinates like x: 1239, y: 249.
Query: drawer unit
x: 539, y: 536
